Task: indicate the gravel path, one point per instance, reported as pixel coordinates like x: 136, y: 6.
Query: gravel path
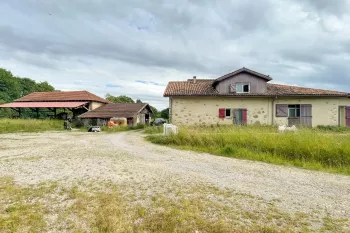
x: 126, y: 158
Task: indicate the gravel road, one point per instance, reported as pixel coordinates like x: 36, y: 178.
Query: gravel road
x: 126, y: 158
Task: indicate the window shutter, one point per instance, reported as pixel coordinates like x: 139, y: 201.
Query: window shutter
x: 222, y: 112
x: 233, y: 88
x: 244, y: 116
x: 306, y: 114
x: 281, y: 110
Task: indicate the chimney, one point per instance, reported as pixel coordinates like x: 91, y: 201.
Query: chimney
x: 194, y: 79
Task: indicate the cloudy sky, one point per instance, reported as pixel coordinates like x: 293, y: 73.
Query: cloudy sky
x: 134, y: 47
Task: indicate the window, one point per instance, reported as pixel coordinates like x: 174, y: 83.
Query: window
x: 242, y: 88
x: 294, y: 110
x: 228, y: 112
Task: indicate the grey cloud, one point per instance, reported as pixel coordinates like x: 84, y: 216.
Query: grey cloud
x: 336, y: 7
x: 291, y: 40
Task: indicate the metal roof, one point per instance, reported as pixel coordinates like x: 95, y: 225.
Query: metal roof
x: 43, y: 104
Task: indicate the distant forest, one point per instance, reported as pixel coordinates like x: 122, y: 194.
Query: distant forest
x: 14, y: 87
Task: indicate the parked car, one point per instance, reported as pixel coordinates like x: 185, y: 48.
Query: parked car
x: 158, y: 121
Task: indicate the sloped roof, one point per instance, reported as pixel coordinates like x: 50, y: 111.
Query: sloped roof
x: 204, y: 87
x: 48, y: 104
x: 61, y: 96
x: 243, y: 70
x: 116, y: 110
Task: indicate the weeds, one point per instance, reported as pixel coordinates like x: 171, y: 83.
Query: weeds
x: 29, y: 125
x: 48, y: 206
x: 116, y: 129
x: 315, y: 149
x: 153, y: 129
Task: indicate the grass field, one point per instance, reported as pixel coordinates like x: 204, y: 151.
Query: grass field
x: 100, y: 209
x: 29, y: 125
x: 323, y: 148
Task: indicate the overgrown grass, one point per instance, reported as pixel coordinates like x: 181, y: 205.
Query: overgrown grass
x: 29, y: 125
x: 153, y: 129
x: 316, y: 149
x: 48, y: 206
x: 116, y: 129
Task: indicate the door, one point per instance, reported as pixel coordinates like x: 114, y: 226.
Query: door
x: 347, y: 116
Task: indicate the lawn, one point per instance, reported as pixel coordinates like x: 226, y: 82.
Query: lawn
x: 323, y: 148
x: 29, y: 125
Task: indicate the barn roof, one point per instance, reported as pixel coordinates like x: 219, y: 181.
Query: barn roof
x: 116, y: 110
x: 50, y: 104
x: 61, y: 96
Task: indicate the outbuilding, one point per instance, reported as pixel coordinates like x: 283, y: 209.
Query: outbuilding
x: 76, y: 102
x: 134, y: 113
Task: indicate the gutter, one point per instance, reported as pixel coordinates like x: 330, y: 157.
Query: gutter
x: 272, y: 110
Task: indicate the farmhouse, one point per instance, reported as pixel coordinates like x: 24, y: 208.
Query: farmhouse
x: 77, y: 102
x: 133, y: 113
x: 246, y: 97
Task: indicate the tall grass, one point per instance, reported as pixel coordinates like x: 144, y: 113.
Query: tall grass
x: 29, y: 125
x: 316, y: 149
x: 116, y: 129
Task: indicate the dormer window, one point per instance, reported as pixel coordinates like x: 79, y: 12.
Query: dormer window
x: 242, y: 87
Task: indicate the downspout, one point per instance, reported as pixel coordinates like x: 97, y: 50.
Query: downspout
x: 272, y: 111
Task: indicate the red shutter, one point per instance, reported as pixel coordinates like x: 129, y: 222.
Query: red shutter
x: 222, y: 113
x: 244, y: 116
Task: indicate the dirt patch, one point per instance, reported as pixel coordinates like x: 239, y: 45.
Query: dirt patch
x: 141, y: 168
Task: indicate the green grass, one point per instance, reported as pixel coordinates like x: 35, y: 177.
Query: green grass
x: 153, y: 129
x: 116, y: 129
x: 316, y: 149
x: 29, y: 125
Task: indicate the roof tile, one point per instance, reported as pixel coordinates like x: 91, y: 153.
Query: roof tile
x: 115, y: 110
x: 61, y: 96
x: 204, y: 87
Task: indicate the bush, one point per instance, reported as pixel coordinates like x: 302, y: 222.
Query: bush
x: 78, y: 123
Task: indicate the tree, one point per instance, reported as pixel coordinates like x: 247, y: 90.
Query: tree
x: 44, y: 86
x: 12, y: 88
x: 119, y: 99
x: 164, y: 113
x: 9, y: 86
x: 138, y: 101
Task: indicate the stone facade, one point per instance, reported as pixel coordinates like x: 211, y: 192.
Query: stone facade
x: 204, y: 110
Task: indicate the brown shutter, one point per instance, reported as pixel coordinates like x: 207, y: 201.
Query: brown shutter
x: 233, y: 88
x: 306, y: 114
x: 281, y: 110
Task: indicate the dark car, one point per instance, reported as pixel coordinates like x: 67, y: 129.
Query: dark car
x: 158, y: 121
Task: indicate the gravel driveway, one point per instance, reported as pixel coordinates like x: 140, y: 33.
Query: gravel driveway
x: 126, y: 158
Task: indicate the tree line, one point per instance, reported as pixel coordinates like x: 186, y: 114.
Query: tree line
x: 14, y: 87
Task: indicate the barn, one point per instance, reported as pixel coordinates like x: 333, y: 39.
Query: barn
x: 74, y: 102
x: 133, y: 113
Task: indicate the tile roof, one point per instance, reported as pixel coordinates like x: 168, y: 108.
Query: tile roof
x: 61, y: 96
x: 204, y: 87
x: 47, y: 104
x: 115, y: 110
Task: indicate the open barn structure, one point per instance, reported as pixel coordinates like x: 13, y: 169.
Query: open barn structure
x: 51, y: 103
